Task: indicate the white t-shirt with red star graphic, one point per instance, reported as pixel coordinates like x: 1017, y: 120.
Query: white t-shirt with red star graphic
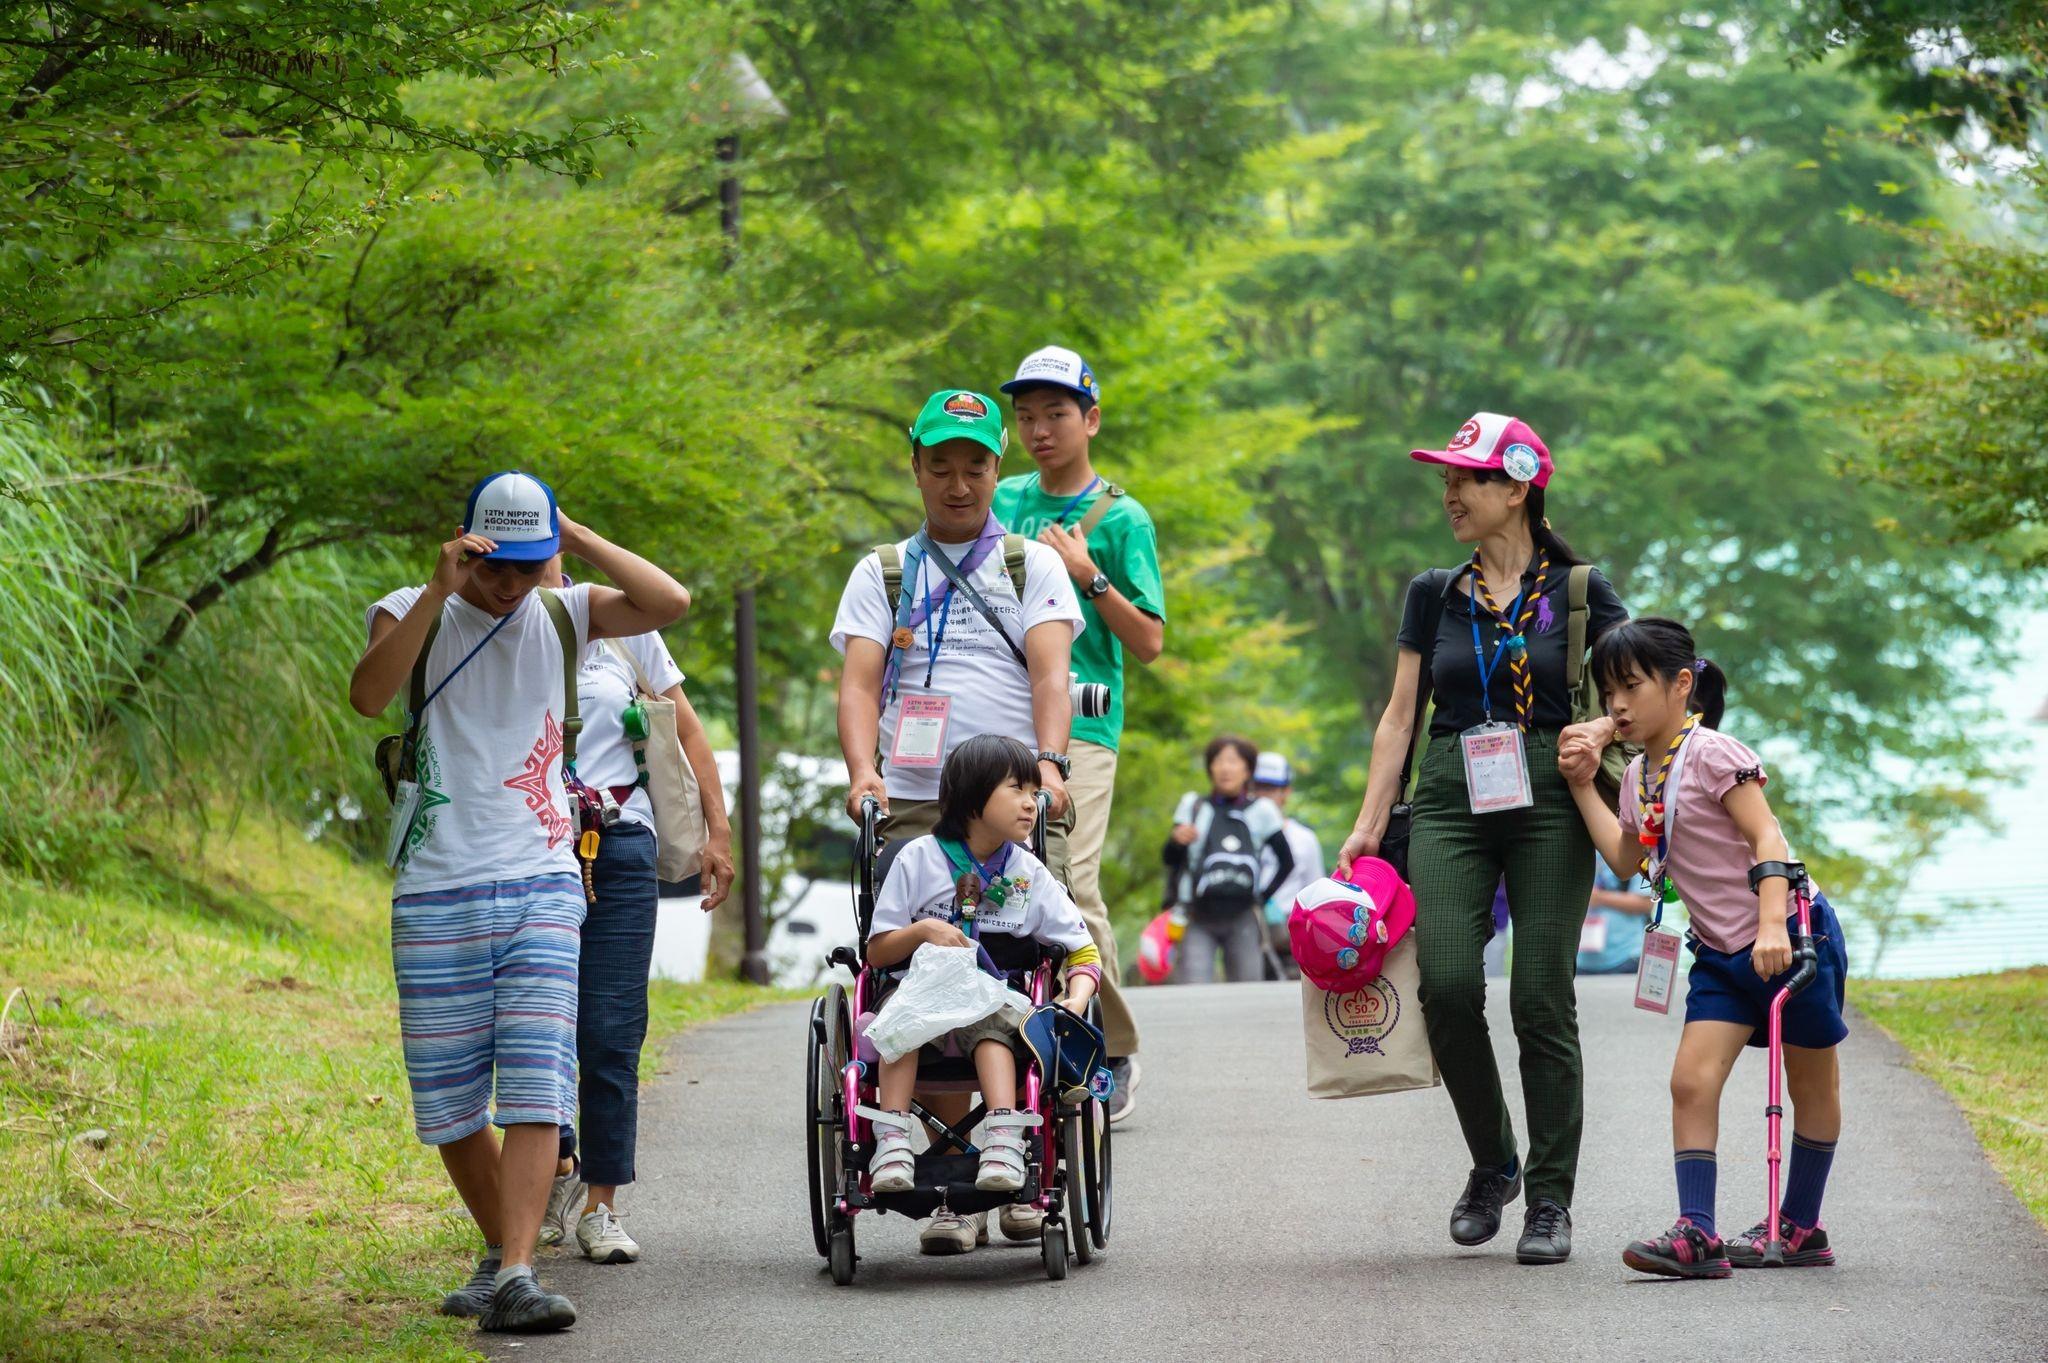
x: 492, y: 805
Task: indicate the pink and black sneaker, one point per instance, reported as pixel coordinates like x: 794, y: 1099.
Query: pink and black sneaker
x: 1805, y: 1246
x: 1684, y: 1251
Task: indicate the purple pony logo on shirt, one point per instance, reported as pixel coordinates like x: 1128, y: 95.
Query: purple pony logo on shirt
x: 1545, y: 617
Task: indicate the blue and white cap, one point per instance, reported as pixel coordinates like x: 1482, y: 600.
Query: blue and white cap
x: 1057, y: 367
x: 517, y: 510
x: 1272, y: 770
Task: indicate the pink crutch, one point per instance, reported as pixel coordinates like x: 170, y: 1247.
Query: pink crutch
x: 1805, y: 967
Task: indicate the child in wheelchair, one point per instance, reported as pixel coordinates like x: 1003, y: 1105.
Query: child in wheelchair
x: 974, y: 883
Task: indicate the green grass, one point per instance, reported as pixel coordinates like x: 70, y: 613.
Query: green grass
x: 228, y: 1019
x: 1984, y: 1038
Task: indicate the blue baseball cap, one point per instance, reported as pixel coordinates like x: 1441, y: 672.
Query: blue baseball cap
x: 1272, y: 770
x: 517, y: 511
x: 1057, y: 367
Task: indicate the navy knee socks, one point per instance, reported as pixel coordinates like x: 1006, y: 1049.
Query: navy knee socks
x: 1806, y: 1180
x: 1697, y: 1171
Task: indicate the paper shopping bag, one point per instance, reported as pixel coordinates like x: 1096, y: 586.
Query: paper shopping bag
x: 1369, y: 1040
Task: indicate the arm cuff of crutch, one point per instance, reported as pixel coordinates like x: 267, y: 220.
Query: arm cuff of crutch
x: 1791, y: 871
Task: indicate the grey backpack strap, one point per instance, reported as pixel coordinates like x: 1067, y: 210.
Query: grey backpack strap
x: 1575, y: 624
x: 1110, y: 492
x: 565, y: 630
x: 891, y: 560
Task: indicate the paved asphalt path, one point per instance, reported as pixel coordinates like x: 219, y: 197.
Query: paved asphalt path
x: 1255, y: 1222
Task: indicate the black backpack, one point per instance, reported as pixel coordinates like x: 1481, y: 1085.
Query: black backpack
x: 1226, y: 868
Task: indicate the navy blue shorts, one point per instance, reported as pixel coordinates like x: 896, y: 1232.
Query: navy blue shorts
x: 1724, y: 987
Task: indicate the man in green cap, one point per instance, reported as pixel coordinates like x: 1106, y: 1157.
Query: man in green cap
x: 1106, y: 544
x: 931, y: 664
x: 928, y: 665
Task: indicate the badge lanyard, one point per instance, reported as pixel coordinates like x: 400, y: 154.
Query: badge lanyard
x: 1516, y: 645
x: 1061, y: 519
x: 1657, y: 813
x: 1488, y: 669
x: 916, y: 604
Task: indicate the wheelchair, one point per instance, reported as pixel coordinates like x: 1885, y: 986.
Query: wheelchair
x: 1067, y: 1171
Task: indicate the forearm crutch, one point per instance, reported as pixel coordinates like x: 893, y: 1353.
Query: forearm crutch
x: 1805, y: 962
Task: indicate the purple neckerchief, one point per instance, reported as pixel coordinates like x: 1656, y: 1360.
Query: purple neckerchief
x: 912, y: 612
x: 977, y: 553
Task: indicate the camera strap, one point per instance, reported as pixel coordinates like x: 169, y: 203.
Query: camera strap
x: 974, y: 598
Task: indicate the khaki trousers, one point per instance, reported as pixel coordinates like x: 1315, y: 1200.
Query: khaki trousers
x: 1092, y: 787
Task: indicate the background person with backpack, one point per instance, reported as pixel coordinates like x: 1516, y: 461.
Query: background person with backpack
x: 1213, y: 860
x: 1497, y: 641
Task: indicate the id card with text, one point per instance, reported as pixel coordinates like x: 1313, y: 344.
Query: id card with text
x: 921, y: 732
x: 1657, y: 976
x: 1496, y: 768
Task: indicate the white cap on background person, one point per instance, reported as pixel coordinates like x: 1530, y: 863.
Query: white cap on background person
x: 517, y: 511
x: 1272, y: 770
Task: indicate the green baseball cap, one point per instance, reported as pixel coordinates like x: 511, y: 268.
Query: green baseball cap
x: 958, y: 414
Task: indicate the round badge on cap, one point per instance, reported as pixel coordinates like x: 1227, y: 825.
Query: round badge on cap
x: 1520, y: 463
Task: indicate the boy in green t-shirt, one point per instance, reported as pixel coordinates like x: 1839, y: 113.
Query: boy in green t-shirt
x: 1107, y: 543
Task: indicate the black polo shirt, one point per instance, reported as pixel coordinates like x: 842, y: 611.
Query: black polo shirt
x: 1454, y: 668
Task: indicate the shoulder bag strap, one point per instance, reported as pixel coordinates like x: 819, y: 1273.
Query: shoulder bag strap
x: 1575, y: 624
x: 565, y: 630
x: 1110, y: 491
x: 618, y: 649
x: 975, y: 599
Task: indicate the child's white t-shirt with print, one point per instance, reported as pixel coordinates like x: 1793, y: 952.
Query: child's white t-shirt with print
x: 923, y: 884
x: 604, y: 755
x: 492, y: 804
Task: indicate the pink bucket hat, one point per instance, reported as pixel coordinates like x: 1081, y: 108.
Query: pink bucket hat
x: 1492, y: 441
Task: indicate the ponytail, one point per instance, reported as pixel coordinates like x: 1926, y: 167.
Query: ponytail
x: 1548, y: 540
x: 1655, y: 646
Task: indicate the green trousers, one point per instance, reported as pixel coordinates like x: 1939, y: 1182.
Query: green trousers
x: 1456, y: 859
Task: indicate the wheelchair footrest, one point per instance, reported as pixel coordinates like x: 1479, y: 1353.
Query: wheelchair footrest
x: 954, y: 1175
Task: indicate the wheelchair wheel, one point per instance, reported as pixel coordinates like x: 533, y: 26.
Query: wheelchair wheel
x: 842, y: 1257
x: 1052, y: 1247
x: 1072, y: 1142
x: 825, y: 1122
x: 1095, y: 1171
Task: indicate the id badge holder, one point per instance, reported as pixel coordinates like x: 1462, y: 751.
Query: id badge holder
x: 405, y: 806
x: 1496, y: 768
x: 921, y: 732
x: 1657, y: 975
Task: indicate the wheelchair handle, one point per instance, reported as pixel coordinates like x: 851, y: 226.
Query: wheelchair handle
x: 1038, y: 825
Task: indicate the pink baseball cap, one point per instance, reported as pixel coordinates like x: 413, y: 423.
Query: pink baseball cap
x: 1492, y: 441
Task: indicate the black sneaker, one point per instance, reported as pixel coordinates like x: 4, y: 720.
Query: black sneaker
x: 1476, y: 1217
x: 1805, y: 1247
x: 1546, y: 1234
x: 519, y: 1307
x: 1684, y: 1251
x: 473, y: 1298
x: 1124, y: 1100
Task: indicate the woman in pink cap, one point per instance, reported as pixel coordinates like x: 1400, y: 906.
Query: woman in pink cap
x: 1488, y: 640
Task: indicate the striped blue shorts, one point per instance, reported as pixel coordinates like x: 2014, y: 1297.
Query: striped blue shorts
x: 487, y: 985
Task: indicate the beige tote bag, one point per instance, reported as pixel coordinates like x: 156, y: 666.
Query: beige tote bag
x: 679, y: 830
x: 1369, y: 1040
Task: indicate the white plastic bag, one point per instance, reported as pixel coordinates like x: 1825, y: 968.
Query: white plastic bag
x: 945, y: 989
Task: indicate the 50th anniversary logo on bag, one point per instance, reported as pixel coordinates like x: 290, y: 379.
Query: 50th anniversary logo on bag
x: 1363, y: 1018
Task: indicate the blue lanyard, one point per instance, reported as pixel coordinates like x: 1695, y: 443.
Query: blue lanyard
x: 503, y: 621
x: 933, y: 641
x: 1487, y: 669
x: 1072, y: 502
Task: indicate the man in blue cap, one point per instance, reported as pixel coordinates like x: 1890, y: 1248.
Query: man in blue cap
x: 487, y: 909
x: 1107, y: 545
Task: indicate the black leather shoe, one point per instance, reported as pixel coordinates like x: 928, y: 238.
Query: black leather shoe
x: 1476, y: 1217
x: 1546, y: 1234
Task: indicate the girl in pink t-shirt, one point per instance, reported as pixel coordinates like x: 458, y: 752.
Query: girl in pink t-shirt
x: 1705, y: 791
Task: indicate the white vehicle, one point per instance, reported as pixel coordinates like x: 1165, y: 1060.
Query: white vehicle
x: 806, y: 857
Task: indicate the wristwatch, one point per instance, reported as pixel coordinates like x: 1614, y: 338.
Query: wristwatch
x: 1097, y: 585
x: 1058, y: 759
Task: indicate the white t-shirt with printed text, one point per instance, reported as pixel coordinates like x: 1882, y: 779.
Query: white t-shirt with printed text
x: 923, y: 884
x: 492, y: 804
x: 990, y: 691
x: 604, y: 755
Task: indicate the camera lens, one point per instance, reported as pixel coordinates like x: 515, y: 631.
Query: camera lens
x: 1091, y: 699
